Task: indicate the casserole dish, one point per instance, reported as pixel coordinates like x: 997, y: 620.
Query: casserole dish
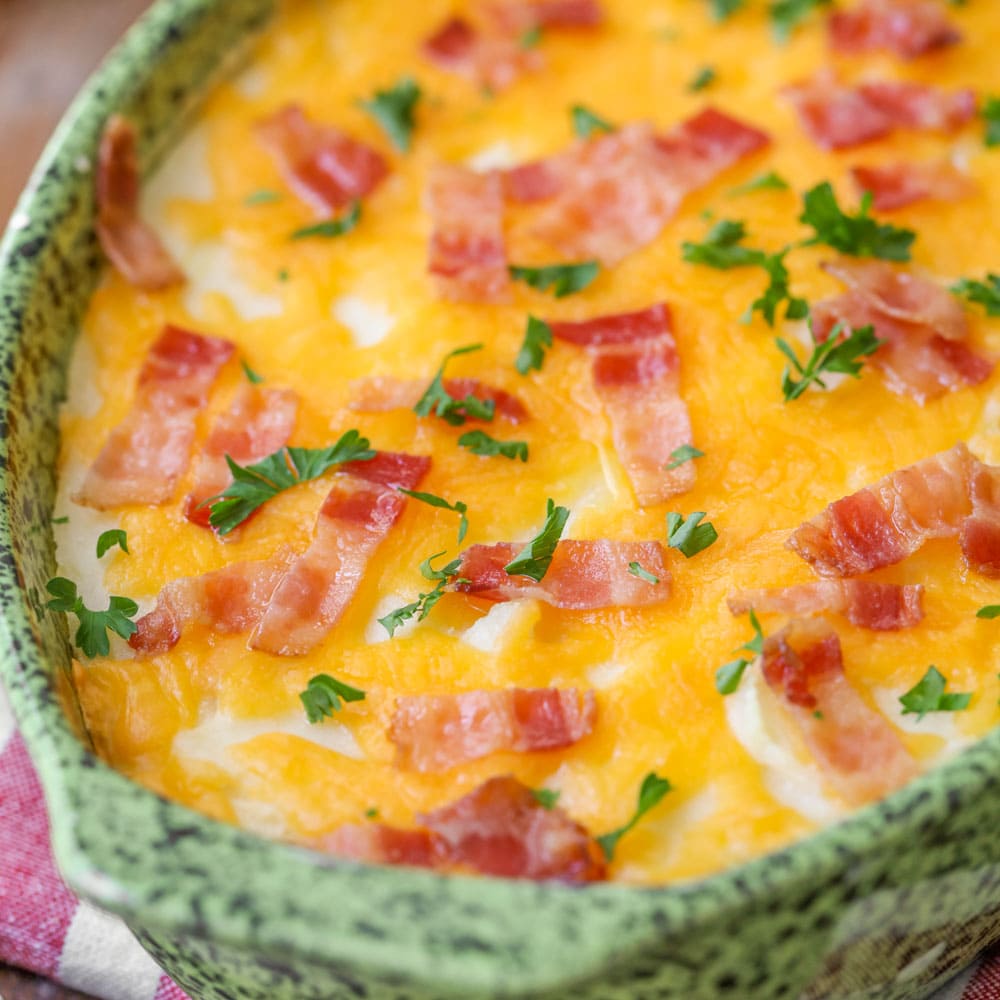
x: 888, y: 903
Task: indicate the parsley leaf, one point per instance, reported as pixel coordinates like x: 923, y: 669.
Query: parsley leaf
x: 332, y: 227
x: 454, y: 411
x: 651, y: 793
x: 262, y: 197
x: 928, y: 696
x: 786, y: 14
x: 704, y: 78
x: 546, y: 797
x: 109, y: 539
x: 586, y: 123
x: 253, y: 485
x: 480, y: 443
x: 833, y: 355
x: 323, y: 694
x: 537, y: 338
x: 991, y: 116
x: 729, y: 675
x: 435, y: 501
x: 685, y: 453
x: 721, y: 9
x: 394, y: 111
x: 563, y: 279
x: 689, y: 536
x: 61, y: 520
x: 856, y: 235
x: 985, y: 293
x: 531, y: 38
x: 721, y: 248
x: 535, y: 558
x: 777, y: 292
x: 92, y: 634
x: 989, y: 611
x: 422, y: 606
x: 252, y: 377
x: 763, y: 182
x: 643, y: 574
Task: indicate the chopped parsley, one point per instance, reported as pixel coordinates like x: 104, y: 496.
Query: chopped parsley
x: 989, y: 611
x: 729, y: 675
x: 985, y: 293
x: 688, y: 535
x: 535, y: 558
x: 371, y: 812
x: 92, y: 634
x: 928, y: 696
x: 332, y: 227
x: 253, y: 485
x: 531, y: 38
x: 324, y: 695
x: 480, y: 443
x: 651, y: 793
x: 563, y: 279
x: 787, y: 14
x: 437, y: 400
x: 721, y: 9
x: 537, y: 339
x: 685, y: 453
x: 991, y: 116
x: 435, y: 501
x: 61, y: 520
x: 252, y: 377
x: 763, y: 182
x: 703, y: 79
x: 777, y: 291
x: 422, y: 606
x: 546, y: 797
x: 643, y: 574
x: 262, y: 197
x: 109, y: 539
x: 833, y: 355
x: 394, y: 110
x: 855, y: 235
x: 586, y: 123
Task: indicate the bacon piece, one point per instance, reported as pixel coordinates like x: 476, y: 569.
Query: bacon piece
x: 229, y: 600
x: 257, y: 423
x: 636, y: 375
x: 859, y: 752
x: 838, y: 117
x: 437, y: 732
x: 382, y: 393
x: 355, y: 517
x: 378, y: 843
x: 924, y: 327
x: 882, y: 607
x: 502, y: 829
x: 129, y: 243
x: 493, y: 59
x: 515, y: 17
x: 612, y: 194
x: 323, y: 165
x: 582, y: 575
x: 896, y: 185
x: 149, y: 450
x: 909, y: 28
x: 467, y: 255
x: 947, y: 495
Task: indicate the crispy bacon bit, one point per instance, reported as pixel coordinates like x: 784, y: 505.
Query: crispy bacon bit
x: 947, y: 495
x: 355, y: 517
x: 514, y: 17
x: 382, y: 393
x: 636, y: 376
x: 909, y: 28
x: 838, y: 117
x: 860, y: 753
x: 149, y: 450
x: 487, y: 58
x: 502, y: 829
x: 612, y: 194
x: 229, y: 600
x: 582, y: 575
x: 437, y: 732
x: 132, y: 247
x: 882, y: 607
x: 467, y: 255
x: 257, y: 423
x: 378, y: 843
x: 896, y: 185
x: 323, y: 165
x: 925, y: 354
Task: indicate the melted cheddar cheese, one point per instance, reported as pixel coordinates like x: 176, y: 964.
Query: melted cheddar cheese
x: 220, y: 727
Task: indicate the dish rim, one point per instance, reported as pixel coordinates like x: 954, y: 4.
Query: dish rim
x: 127, y: 869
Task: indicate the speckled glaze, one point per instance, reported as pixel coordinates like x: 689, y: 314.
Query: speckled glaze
x: 886, y: 905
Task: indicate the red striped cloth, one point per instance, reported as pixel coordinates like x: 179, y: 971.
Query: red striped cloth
x: 45, y: 928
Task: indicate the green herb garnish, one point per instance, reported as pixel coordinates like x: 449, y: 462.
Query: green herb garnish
x: 833, y: 355
x: 643, y: 574
x: 685, y: 453
x: 331, y: 227
x: 435, y: 501
x: 61, y: 520
x: 394, y: 111
x: 253, y: 485
x: 252, y: 377
x: 991, y: 116
x: 729, y: 675
x: 688, y: 535
x: 534, y: 559
x: 722, y: 248
x: 928, y: 696
x: 704, y: 78
x: 481, y: 443
x: 563, y: 279
x: 764, y: 182
x: 262, y: 197
x: 422, y: 606
x: 92, y: 634
x: 777, y: 292
x: 586, y: 123
x: 985, y: 293
x: 721, y: 9
x: 109, y: 539
x: 437, y: 400
x: 651, y: 793
x: 787, y: 14
x: 324, y: 694
x: 546, y: 797
x: 531, y: 38
x: 989, y: 611
x: 537, y: 339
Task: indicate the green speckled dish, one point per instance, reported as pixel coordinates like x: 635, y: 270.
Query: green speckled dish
x: 886, y: 905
